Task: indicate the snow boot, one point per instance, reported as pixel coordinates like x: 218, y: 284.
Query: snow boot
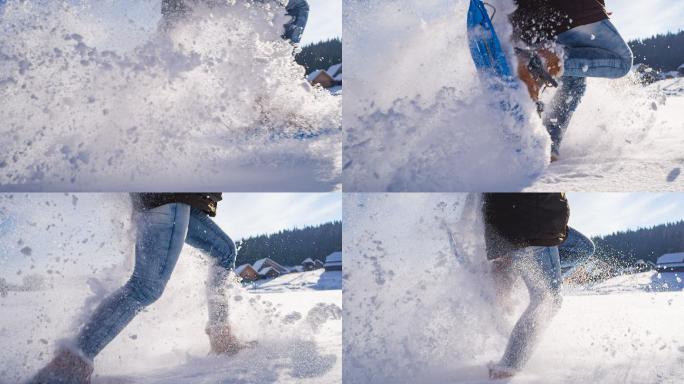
x: 499, y: 372
x: 223, y: 341
x: 67, y: 367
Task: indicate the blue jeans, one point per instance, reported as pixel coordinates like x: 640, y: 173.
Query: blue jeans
x: 299, y: 11
x: 592, y: 50
x: 160, y: 235
x: 540, y: 269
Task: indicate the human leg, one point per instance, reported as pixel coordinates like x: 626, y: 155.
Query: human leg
x: 540, y: 269
x: 159, y: 239
x: 160, y: 235
x: 205, y: 235
x: 595, y: 50
x: 561, y: 108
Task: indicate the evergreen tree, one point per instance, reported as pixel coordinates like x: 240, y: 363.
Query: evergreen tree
x: 320, y: 55
x: 660, y: 52
x: 626, y: 247
x: 292, y: 246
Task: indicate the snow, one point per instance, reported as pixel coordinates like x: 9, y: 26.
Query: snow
x: 241, y: 268
x: 419, y: 309
x: 436, y: 130
x: 83, y: 245
x: 97, y: 100
x: 671, y: 258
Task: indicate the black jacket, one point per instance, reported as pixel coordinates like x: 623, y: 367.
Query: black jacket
x: 517, y: 220
x: 205, y: 202
x: 536, y: 21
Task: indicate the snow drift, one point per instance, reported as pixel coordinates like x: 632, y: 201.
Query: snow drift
x: 83, y: 245
x: 420, y: 306
x: 98, y: 97
x: 417, y: 118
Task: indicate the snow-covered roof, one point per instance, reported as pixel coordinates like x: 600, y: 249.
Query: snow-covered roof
x: 267, y: 270
x: 335, y: 70
x: 266, y: 262
x: 312, y: 76
x: 335, y: 257
x: 241, y: 268
x: 670, y: 258
x: 681, y: 67
x: 307, y: 261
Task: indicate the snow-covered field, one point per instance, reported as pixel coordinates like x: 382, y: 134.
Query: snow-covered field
x: 623, y: 138
x: 96, y: 97
x: 83, y: 246
x: 419, y: 308
x: 416, y: 117
x: 297, y: 330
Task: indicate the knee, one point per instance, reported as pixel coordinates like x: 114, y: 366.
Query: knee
x: 228, y: 256
x: 145, y: 291
x: 626, y: 62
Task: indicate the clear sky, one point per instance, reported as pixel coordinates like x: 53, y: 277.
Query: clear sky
x: 243, y: 215
x: 325, y: 21
x: 644, y: 18
x: 604, y: 213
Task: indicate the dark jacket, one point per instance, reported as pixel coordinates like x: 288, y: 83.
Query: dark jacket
x: 536, y: 21
x: 517, y: 220
x: 297, y: 9
x: 205, y: 202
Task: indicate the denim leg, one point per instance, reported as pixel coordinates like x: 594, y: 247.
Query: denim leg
x: 561, y: 108
x: 159, y: 239
x: 540, y: 270
x: 595, y: 50
x: 209, y: 238
x: 299, y: 11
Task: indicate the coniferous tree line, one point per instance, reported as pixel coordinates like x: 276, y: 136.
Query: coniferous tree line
x: 660, y: 52
x: 626, y: 247
x: 320, y: 55
x: 291, y: 246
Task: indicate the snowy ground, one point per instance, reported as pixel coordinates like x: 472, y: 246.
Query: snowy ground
x: 97, y: 97
x: 417, y: 118
x: 622, y: 139
x: 167, y: 342
x: 419, y: 308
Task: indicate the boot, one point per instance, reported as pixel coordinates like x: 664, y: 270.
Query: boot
x: 499, y: 372
x: 67, y: 367
x: 537, y: 69
x: 222, y: 340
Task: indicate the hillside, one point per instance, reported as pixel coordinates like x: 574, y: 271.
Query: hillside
x: 626, y: 247
x: 320, y: 55
x: 660, y: 52
x: 291, y: 246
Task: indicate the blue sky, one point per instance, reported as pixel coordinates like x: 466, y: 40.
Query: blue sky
x: 242, y: 215
x: 604, y: 213
x: 644, y: 18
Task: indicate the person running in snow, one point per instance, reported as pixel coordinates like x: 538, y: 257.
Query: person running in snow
x: 569, y: 41
x: 522, y: 235
x: 163, y: 224
x: 298, y: 10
